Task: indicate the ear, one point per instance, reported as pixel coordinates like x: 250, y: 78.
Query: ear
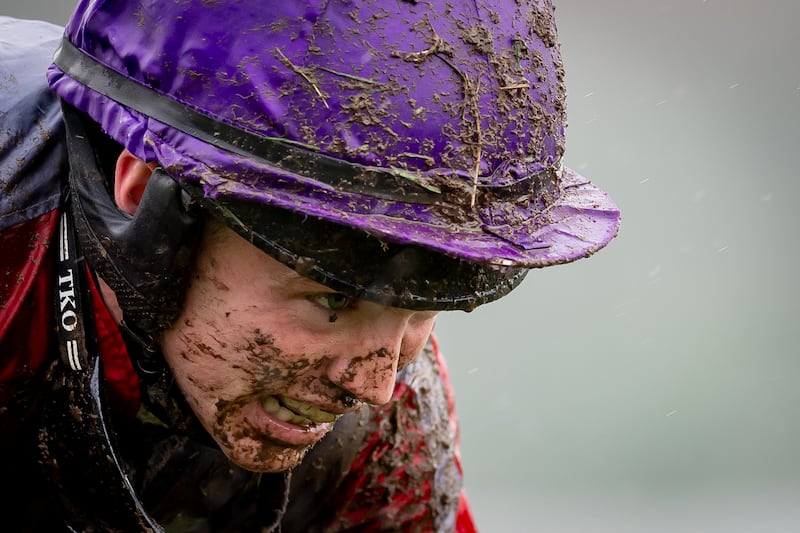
x: 130, y: 178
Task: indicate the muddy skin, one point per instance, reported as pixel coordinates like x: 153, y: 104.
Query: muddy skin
x: 353, y: 368
x: 266, y: 365
x: 209, y: 351
x: 247, y: 431
x: 261, y: 339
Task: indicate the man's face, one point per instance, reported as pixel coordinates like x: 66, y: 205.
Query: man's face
x: 268, y: 359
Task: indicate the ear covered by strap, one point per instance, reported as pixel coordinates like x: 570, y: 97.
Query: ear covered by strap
x: 144, y: 258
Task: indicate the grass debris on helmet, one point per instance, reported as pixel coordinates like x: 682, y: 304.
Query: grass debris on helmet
x: 405, y: 152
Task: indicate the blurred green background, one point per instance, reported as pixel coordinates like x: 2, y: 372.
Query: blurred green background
x: 653, y: 387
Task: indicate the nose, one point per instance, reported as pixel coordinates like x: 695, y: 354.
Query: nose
x: 369, y: 373
x: 370, y: 378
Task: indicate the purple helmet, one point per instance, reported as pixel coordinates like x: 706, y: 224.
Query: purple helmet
x: 428, y: 132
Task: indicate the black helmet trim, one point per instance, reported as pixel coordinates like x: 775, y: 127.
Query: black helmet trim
x: 358, y: 264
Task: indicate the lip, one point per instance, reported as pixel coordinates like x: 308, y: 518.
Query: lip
x: 285, y: 433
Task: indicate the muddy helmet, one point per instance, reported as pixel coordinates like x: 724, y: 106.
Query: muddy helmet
x: 406, y: 152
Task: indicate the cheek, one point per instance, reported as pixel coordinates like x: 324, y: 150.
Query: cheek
x: 206, y: 363
x: 414, y: 341
x: 267, y: 365
x: 202, y: 375
x: 224, y: 363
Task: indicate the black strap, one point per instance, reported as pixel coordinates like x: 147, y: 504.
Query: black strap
x: 71, y: 300
x: 75, y: 442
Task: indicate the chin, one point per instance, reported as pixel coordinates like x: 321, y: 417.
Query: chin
x: 264, y: 457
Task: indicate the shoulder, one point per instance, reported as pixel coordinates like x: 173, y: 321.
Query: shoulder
x: 20, y: 35
x: 32, y: 164
x: 32, y: 144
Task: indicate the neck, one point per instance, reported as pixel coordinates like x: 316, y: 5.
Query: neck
x: 110, y: 299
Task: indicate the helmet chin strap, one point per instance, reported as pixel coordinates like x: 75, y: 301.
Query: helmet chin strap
x: 144, y: 258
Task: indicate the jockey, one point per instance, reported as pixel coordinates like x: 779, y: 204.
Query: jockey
x: 227, y: 229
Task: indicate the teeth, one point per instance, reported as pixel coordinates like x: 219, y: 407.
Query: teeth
x: 314, y: 413
x: 294, y: 412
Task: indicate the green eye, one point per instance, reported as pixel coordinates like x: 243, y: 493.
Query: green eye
x: 334, y: 301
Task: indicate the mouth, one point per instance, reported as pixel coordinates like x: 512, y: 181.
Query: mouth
x: 296, y: 412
